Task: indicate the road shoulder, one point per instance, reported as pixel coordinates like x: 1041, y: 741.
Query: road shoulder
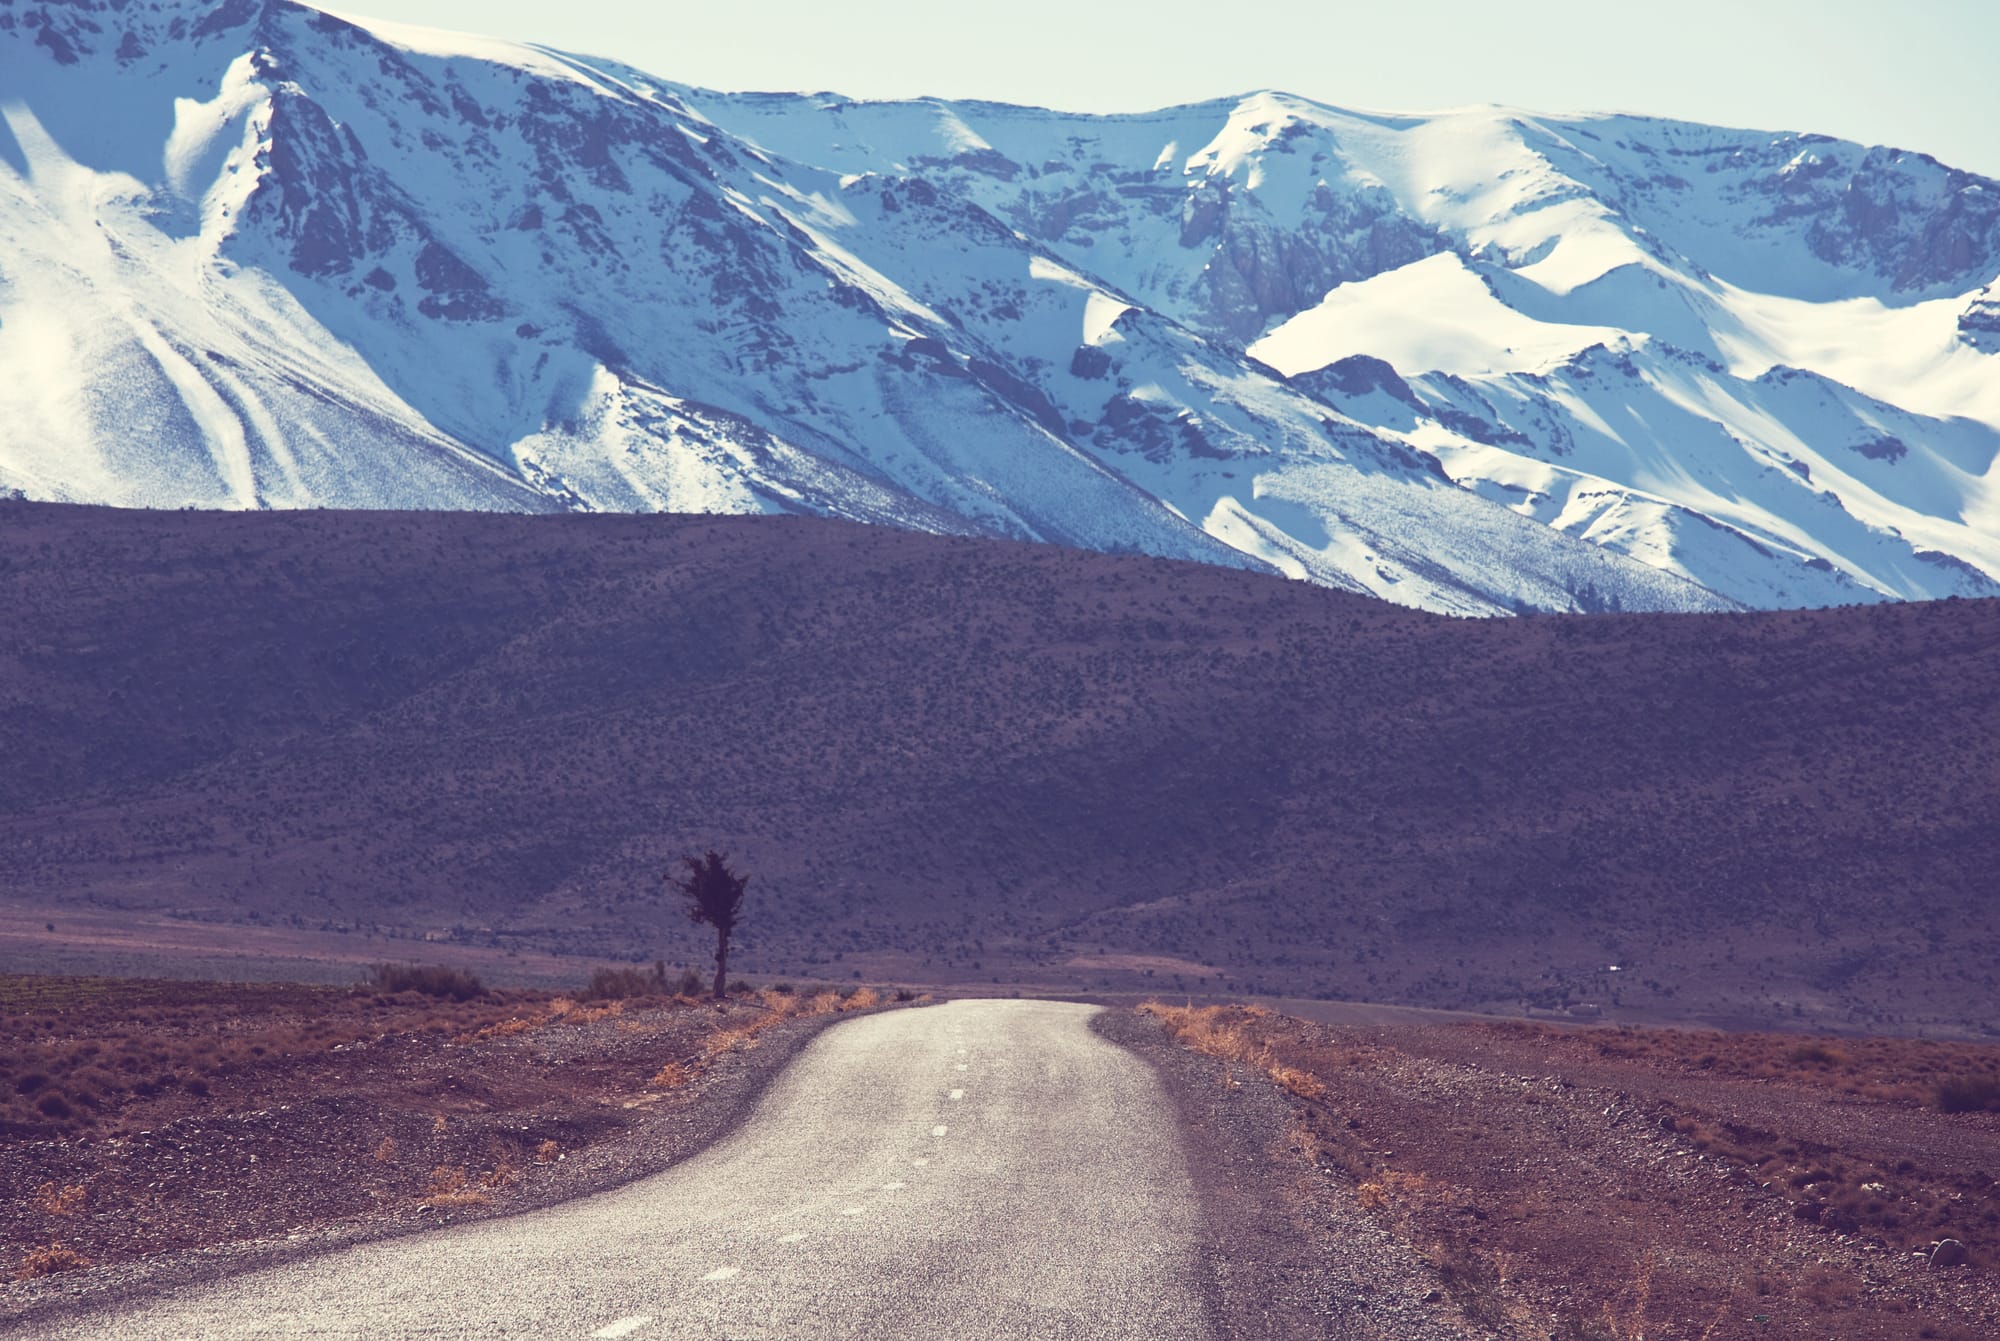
x: 1284, y: 1252
x: 659, y: 1136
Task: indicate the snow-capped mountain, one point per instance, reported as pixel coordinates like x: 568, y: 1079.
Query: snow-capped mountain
x: 259, y: 255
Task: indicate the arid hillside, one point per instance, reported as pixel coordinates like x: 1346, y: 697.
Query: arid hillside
x: 958, y: 760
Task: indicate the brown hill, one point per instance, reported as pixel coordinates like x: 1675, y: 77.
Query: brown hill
x: 954, y: 759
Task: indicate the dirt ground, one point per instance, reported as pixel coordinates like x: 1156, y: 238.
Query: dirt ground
x: 1613, y: 1184
x: 154, y: 1131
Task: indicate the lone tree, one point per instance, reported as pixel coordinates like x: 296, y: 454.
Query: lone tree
x: 714, y: 896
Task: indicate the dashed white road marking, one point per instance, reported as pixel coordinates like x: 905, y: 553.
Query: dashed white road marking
x: 920, y: 1161
x: 723, y: 1273
x: 958, y: 1094
x: 611, y: 1331
x: 939, y: 1130
x: 892, y: 1187
x: 794, y: 1237
x: 850, y: 1210
x: 961, y: 1066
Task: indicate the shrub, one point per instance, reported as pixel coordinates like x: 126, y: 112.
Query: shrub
x: 1816, y: 1054
x: 447, y: 1187
x: 65, y: 1200
x: 429, y: 979
x: 50, y: 1259
x: 1968, y: 1094
x: 616, y: 984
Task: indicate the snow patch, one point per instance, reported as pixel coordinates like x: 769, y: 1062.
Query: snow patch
x: 1432, y: 315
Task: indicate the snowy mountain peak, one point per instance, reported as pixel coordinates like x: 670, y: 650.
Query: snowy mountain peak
x: 1477, y: 360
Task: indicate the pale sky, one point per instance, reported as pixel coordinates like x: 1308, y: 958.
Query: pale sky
x: 1919, y: 74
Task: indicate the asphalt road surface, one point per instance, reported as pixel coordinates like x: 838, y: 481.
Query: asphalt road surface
x: 983, y: 1169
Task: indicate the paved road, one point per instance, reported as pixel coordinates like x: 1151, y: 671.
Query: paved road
x: 984, y: 1169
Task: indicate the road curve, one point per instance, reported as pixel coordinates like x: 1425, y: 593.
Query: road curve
x: 983, y: 1169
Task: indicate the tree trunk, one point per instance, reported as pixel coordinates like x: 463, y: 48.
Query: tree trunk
x: 721, y: 964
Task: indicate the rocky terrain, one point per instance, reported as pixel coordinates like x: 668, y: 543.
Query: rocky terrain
x: 165, y: 1131
x: 969, y: 762
x: 1610, y: 1184
x: 262, y: 256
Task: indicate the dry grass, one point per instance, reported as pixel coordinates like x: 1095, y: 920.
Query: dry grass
x: 49, y: 1260
x: 83, y: 1055
x: 765, y: 1010
x: 449, y: 1186
x: 65, y: 1200
x: 561, y: 1010
x: 1232, y: 1034
x: 548, y: 1152
x: 385, y: 1153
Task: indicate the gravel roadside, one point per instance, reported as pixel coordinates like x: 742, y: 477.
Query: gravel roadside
x: 1286, y: 1251
x: 653, y: 1131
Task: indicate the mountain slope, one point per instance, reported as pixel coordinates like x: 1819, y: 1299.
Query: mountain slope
x: 1502, y: 263
x: 947, y: 758
x: 257, y: 255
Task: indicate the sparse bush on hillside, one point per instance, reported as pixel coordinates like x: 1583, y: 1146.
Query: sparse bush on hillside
x: 50, y: 1260
x: 614, y: 984
x: 65, y: 1200
x: 1968, y: 1094
x: 430, y: 979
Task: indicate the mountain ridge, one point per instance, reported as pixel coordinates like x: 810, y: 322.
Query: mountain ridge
x: 946, y: 758
x: 353, y: 263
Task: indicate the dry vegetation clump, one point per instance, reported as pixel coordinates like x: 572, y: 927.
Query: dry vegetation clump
x: 429, y: 979
x: 66, y: 1200
x: 1968, y: 1094
x: 449, y: 1188
x: 740, y: 1033
x: 607, y: 984
x: 1234, y: 1034
x: 51, y: 1259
